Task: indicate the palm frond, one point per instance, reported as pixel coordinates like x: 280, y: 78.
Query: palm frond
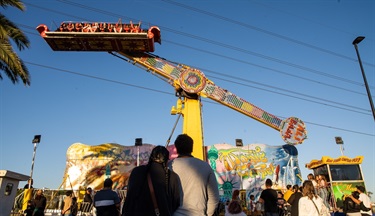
x: 9, y: 29
x: 8, y: 73
x: 13, y: 3
x: 12, y: 65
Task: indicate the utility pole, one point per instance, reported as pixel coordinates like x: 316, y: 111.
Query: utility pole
x: 355, y: 43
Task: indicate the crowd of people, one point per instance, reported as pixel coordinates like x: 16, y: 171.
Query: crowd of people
x: 187, y: 186
x: 36, y: 206
x: 182, y: 186
x: 100, y: 27
x: 307, y: 200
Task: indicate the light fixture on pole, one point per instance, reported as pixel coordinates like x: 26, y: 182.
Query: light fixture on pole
x: 355, y: 43
x: 239, y: 143
x: 138, y: 143
x: 35, y: 141
x: 340, y: 142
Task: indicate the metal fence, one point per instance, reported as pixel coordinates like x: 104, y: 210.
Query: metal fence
x: 55, y: 202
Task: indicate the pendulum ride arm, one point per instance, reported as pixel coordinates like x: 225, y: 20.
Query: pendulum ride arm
x: 189, y: 83
x: 193, y: 84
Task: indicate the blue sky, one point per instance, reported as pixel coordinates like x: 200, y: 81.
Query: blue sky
x: 290, y: 58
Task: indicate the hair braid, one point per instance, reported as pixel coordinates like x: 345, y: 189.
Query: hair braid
x: 166, y: 177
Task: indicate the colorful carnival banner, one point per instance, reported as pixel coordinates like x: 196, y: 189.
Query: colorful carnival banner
x: 244, y: 167
x: 343, y: 189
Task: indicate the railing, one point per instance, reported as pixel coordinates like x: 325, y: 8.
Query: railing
x: 55, y: 202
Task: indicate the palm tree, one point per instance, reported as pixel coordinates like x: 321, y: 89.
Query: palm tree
x: 10, y: 63
x: 370, y: 194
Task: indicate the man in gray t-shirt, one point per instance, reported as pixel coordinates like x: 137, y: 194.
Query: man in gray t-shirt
x: 200, y: 193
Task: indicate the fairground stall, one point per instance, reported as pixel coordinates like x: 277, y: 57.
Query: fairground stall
x: 343, y: 175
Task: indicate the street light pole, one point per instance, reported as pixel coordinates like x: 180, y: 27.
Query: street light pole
x: 138, y: 143
x: 35, y: 141
x: 340, y: 142
x: 355, y: 43
x: 239, y: 143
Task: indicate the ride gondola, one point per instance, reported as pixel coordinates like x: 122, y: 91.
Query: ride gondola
x: 101, y: 36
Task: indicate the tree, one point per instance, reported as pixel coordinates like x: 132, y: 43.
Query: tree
x: 10, y: 63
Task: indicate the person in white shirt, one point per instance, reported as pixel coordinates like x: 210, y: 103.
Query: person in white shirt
x: 363, y: 198
x: 311, y: 204
x: 311, y: 177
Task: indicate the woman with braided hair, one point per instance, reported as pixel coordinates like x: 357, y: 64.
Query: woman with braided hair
x: 165, y: 183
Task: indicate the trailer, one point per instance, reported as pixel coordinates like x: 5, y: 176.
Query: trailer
x: 343, y: 175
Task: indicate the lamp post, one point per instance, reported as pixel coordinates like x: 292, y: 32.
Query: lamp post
x: 138, y: 143
x: 35, y: 141
x: 355, y: 43
x: 340, y: 142
x: 239, y: 143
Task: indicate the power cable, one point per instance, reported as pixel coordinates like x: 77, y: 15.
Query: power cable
x: 260, y: 66
x: 163, y: 92
x: 285, y: 90
x: 220, y: 44
x: 97, y: 78
x: 234, y: 59
x: 246, y: 25
x: 309, y: 100
x: 309, y: 20
x: 269, y: 58
x: 249, y: 63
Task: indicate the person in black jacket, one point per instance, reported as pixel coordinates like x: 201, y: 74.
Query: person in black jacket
x: 294, y: 199
x: 165, y: 182
x: 350, y: 207
x: 88, y: 197
x: 29, y: 184
x: 106, y: 201
x: 40, y: 202
x: 29, y: 211
x: 86, y: 205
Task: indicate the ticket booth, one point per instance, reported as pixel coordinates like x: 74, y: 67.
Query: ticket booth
x: 343, y: 175
x: 8, y: 188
